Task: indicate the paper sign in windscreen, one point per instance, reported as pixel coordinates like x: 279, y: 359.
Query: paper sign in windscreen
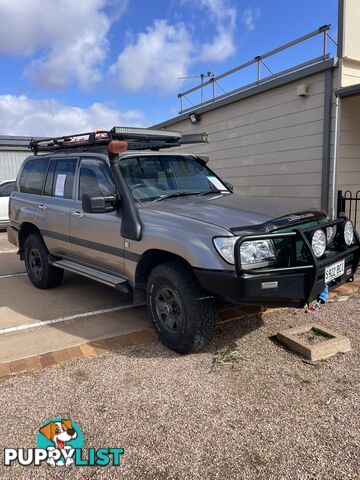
x: 216, y: 182
x: 60, y: 185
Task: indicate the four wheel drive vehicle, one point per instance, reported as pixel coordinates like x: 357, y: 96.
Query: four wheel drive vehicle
x: 6, y: 188
x: 113, y: 207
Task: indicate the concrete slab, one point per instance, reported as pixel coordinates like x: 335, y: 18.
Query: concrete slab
x: 330, y: 344
x: 21, y: 302
x: 4, y: 244
x: 69, y: 334
x: 10, y: 264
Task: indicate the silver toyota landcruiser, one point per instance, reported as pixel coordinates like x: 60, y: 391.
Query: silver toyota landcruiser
x: 119, y: 208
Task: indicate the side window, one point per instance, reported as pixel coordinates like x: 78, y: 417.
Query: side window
x: 95, y: 175
x: 33, y: 176
x: 7, y: 189
x: 60, y: 178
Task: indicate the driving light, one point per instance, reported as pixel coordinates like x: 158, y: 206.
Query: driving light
x: 318, y: 243
x: 330, y: 234
x: 348, y: 233
x: 252, y: 252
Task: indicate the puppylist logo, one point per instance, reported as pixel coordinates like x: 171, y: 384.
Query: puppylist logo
x: 60, y: 442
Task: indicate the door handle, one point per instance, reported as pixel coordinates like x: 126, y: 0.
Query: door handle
x: 78, y: 213
x: 41, y: 206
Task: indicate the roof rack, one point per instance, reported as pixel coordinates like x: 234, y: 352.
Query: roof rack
x: 136, y: 138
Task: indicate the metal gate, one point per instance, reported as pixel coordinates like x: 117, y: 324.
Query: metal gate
x: 349, y: 203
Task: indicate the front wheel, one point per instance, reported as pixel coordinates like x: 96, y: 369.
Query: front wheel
x: 182, y: 313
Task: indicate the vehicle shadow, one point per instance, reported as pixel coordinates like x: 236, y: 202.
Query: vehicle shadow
x: 227, y: 338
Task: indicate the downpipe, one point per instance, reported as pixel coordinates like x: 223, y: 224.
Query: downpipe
x: 335, y: 162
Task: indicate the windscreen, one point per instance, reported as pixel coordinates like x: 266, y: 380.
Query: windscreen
x: 154, y: 177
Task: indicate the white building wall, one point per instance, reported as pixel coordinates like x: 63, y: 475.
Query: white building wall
x: 10, y: 162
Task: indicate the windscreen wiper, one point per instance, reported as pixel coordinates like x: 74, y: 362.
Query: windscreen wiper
x: 176, y: 194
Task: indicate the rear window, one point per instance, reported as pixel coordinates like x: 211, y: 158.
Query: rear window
x: 60, y: 178
x: 33, y: 176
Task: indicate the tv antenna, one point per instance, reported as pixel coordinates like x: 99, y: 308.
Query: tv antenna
x: 202, y: 76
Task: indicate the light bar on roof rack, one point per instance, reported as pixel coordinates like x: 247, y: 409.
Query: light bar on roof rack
x: 141, y: 132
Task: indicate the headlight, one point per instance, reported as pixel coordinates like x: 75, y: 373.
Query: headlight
x: 330, y: 234
x: 257, y: 251
x: 318, y: 243
x: 348, y: 233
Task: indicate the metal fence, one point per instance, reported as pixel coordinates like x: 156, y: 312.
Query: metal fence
x: 349, y: 203
x: 212, y: 86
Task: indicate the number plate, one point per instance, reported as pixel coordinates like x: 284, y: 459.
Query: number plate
x: 335, y: 270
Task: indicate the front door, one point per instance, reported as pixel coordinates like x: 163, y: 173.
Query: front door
x: 95, y: 237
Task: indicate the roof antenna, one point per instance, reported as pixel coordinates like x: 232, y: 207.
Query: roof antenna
x: 201, y: 76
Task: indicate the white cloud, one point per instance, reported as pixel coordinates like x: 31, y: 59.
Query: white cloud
x: 71, y: 36
x: 219, y: 49
x: 249, y: 18
x: 157, y: 58
x: 21, y: 115
x: 165, y: 51
x: 222, y: 45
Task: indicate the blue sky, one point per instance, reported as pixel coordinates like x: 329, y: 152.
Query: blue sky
x: 71, y: 66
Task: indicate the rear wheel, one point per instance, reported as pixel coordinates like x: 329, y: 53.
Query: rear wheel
x: 183, y: 315
x: 40, y: 272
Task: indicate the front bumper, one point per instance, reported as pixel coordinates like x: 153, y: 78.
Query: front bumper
x: 293, y: 286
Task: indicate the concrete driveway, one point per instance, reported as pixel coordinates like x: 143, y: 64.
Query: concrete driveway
x: 35, y: 322
x: 41, y: 327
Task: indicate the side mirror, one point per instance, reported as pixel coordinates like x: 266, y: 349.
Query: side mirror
x: 96, y: 202
x: 229, y: 186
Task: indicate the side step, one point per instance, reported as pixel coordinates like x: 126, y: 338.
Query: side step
x: 119, y: 283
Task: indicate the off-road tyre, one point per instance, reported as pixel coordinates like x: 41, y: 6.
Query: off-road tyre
x: 39, y: 270
x: 193, y: 315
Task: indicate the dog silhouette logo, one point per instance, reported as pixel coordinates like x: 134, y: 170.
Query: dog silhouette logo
x: 61, y: 434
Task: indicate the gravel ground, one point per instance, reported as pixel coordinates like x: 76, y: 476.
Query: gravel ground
x: 270, y: 416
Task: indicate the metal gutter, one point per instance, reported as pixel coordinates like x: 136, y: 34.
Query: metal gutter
x: 325, y: 177
x: 350, y: 91
x: 277, y: 82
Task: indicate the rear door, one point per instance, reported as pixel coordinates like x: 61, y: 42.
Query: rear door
x: 96, y: 238
x: 27, y: 204
x: 56, y: 203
